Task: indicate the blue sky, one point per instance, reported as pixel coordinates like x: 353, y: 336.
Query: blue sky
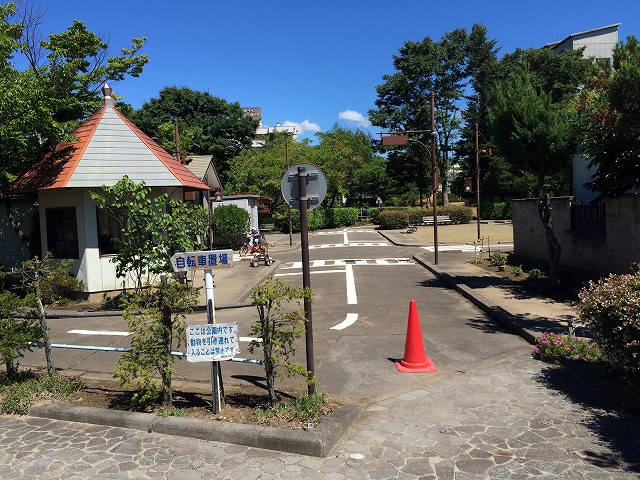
x: 312, y: 64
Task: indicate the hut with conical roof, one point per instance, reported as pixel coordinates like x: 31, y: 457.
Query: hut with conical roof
x: 107, y: 146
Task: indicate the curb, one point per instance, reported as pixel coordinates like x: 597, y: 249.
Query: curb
x: 495, y: 311
x: 315, y: 442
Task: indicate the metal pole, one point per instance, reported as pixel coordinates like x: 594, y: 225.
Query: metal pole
x: 435, y: 179
x: 216, y: 373
x: 477, y: 183
x: 306, y: 274
x: 175, y: 129
x: 286, y: 155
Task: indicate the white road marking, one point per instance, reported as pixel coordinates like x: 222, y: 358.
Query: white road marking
x: 352, y: 298
x: 249, y: 339
x: 466, y: 248
x: 358, y: 261
x: 99, y: 332
x: 350, y: 320
x: 300, y: 273
x: 353, y: 244
x: 340, y: 232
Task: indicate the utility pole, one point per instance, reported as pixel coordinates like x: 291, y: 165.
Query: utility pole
x: 478, y: 183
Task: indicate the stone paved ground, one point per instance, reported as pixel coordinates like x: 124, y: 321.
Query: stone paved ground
x: 514, y: 418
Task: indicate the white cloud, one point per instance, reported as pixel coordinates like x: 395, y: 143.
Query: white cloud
x: 357, y: 117
x: 304, y: 126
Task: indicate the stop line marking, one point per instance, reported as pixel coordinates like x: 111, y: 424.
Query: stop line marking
x: 465, y: 248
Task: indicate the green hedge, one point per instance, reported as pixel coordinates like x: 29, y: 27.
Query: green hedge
x: 340, y: 217
x: 319, y: 218
x: 401, y: 217
x: 496, y: 210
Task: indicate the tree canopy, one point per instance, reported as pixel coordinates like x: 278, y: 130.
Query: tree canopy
x: 59, y: 87
x: 444, y: 67
x: 214, y: 126
x: 609, y: 106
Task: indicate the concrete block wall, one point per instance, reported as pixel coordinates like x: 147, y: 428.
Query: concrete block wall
x: 590, y: 252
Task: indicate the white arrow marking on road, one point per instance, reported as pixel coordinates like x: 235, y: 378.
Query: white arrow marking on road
x: 350, y: 320
x: 99, y: 332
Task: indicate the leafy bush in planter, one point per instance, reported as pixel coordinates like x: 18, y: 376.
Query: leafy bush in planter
x: 610, y: 308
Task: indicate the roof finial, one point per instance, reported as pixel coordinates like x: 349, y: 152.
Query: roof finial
x: 107, y: 101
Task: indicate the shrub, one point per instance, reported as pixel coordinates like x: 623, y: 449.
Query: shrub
x: 340, y: 217
x: 18, y: 394
x: 390, y: 219
x: 458, y: 214
x: 496, y: 210
x: 610, y: 308
x: 315, y: 220
x: 15, y: 333
x: 307, y: 408
x: 230, y: 222
x: 498, y: 258
x: 536, y: 273
x: 553, y: 347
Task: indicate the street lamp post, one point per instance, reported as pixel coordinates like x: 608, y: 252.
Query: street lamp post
x: 401, y: 138
x: 485, y: 152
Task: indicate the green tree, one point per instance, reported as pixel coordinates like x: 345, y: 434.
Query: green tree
x: 445, y: 68
x: 43, y: 103
x: 610, y: 110
x: 341, y: 153
x: 536, y: 135
x: 217, y: 127
x: 277, y: 328
x: 153, y: 228
x: 156, y: 321
x: 16, y: 333
x: 260, y: 171
x: 47, y: 282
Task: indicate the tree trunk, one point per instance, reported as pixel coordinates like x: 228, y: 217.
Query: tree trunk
x: 165, y: 367
x: 553, y: 247
x: 12, y: 370
x: 15, y: 225
x: 51, y: 370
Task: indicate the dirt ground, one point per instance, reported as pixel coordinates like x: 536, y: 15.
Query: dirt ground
x: 194, y: 399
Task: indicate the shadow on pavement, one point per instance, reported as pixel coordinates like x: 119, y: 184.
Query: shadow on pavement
x: 603, y: 400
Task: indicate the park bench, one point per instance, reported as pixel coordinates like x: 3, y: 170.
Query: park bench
x: 266, y: 227
x: 442, y: 220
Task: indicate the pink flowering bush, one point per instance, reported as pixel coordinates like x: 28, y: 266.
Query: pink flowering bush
x: 610, y: 308
x: 552, y: 347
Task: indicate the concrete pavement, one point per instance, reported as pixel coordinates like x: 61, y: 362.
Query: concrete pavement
x: 510, y: 417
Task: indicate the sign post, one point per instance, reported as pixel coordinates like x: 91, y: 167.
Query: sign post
x: 304, y: 188
x: 207, y: 260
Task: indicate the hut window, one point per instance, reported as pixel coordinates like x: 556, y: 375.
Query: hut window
x: 108, y: 228
x: 62, y: 232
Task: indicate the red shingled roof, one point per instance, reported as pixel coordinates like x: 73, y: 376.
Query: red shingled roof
x: 56, y: 168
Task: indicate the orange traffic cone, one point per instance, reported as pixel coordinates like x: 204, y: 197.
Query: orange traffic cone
x: 415, y: 360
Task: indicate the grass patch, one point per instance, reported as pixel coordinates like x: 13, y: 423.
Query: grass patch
x: 304, y: 409
x: 19, y: 393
